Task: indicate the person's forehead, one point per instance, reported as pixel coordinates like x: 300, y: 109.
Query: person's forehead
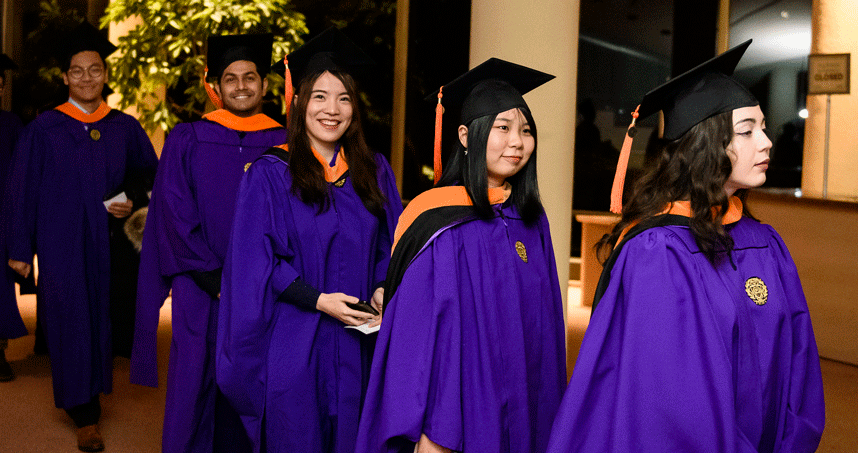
x: 240, y: 67
x: 86, y: 58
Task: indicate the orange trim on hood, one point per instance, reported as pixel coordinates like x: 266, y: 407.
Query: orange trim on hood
x: 69, y: 109
x: 683, y: 208
x: 441, y: 197
x: 258, y: 122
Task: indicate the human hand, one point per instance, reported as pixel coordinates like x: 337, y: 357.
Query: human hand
x: 120, y: 209
x: 334, y: 304
x: 377, y: 302
x: 20, y: 267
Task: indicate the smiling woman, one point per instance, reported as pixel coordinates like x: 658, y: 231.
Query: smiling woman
x: 309, y: 249
x: 470, y: 355
x: 329, y: 113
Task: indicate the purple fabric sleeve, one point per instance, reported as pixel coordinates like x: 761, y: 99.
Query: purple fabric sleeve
x: 300, y: 293
x: 679, y: 358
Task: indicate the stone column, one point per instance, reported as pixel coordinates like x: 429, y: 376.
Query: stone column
x: 542, y: 35
x: 834, y: 30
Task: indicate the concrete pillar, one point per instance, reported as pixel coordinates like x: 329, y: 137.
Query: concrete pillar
x: 400, y: 69
x: 834, y: 30
x: 542, y: 35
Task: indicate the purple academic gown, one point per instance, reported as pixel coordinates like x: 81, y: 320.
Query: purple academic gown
x: 678, y: 357
x: 11, y: 325
x: 295, y: 375
x: 62, y: 172
x: 471, y: 348
x: 187, y: 229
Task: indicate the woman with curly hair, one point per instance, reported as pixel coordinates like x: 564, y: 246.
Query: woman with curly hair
x: 700, y: 338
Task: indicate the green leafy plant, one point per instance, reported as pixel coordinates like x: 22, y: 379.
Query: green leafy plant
x: 160, y: 63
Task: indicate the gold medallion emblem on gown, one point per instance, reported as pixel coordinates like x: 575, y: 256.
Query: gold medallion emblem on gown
x: 757, y: 290
x: 521, y: 250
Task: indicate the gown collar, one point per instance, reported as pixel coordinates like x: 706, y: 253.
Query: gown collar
x: 683, y: 208
x: 73, y: 111
x: 441, y: 197
x: 258, y: 122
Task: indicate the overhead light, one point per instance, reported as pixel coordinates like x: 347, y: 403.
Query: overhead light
x: 803, y: 113
x: 785, y: 14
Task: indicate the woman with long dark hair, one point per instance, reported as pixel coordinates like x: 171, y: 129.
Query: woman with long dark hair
x: 308, y: 256
x: 700, y: 338
x: 470, y: 355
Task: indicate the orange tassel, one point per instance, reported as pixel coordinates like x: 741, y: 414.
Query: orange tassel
x: 288, y: 89
x: 210, y: 91
x: 622, y: 166
x: 439, y: 116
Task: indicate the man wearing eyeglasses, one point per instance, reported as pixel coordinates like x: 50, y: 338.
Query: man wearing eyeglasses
x: 79, y: 169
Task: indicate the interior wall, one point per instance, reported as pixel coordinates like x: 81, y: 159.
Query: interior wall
x: 818, y: 235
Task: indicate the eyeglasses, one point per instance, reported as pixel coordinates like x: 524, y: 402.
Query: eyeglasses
x: 94, y: 71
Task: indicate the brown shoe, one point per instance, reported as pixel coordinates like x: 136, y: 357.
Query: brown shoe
x: 89, y: 439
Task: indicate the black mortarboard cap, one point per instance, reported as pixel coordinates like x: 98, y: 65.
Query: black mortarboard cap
x: 330, y: 50
x: 698, y: 94
x: 686, y: 100
x: 82, y: 38
x: 224, y: 50
x: 6, y: 63
x: 492, y: 87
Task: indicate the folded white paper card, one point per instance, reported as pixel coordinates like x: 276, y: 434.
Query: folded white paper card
x: 119, y: 198
x: 365, y: 328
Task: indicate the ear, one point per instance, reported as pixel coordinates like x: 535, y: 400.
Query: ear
x: 264, y: 84
x: 463, y: 135
x: 65, y: 78
x: 216, y: 87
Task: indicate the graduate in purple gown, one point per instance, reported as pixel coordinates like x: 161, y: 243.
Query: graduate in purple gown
x: 312, y: 235
x: 11, y: 324
x: 185, y: 242
x: 701, y: 339
x: 470, y: 356
x: 70, y: 165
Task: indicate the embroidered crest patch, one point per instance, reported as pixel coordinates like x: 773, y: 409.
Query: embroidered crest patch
x: 521, y: 250
x: 757, y: 290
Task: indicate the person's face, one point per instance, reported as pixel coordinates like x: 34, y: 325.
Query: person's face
x: 509, y: 146
x: 329, y: 112
x: 749, y: 150
x: 86, y: 77
x: 241, y: 88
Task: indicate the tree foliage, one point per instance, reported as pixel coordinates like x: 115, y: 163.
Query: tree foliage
x: 160, y: 63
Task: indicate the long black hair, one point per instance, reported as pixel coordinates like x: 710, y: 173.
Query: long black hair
x: 694, y: 167
x: 308, y: 175
x: 471, y: 171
